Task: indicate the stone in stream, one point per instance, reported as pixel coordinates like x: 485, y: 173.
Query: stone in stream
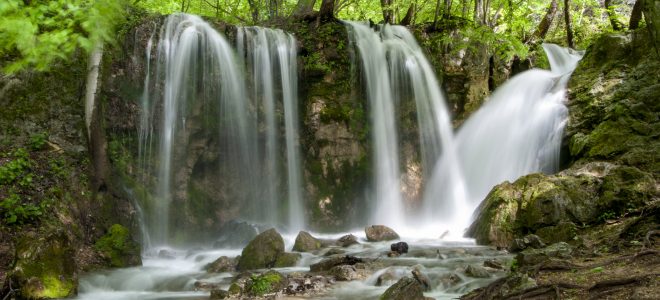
x: 422, y: 279
x: 219, y: 294
x: 305, y: 242
x: 476, y: 271
x: 266, y: 283
x: 400, y: 247
x: 344, y: 272
x: 334, y: 251
x: 407, y: 288
x: 222, y: 264
x: 492, y: 263
x: 378, y: 233
x: 266, y: 250
x: 347, y: 240
x: 205, y: 286
x: 331, y: 262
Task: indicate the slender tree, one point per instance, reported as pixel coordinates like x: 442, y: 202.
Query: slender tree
x: 437, y: 13
x: 544, y: 25
x: 636, y: 15
x: 478, y: 11
x: 567, y: 19
x: 409, y: 18
x: 388, y: 12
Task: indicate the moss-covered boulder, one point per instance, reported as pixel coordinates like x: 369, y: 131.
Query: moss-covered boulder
x: 45, y: 267
x: 118, y: 247
x: 377, y: 233
x: 264, y: 284
x: 266, y: 250
x: 222, y: 264
x: 287, y: 259
x: 546, y: 203
x: 305, y: 242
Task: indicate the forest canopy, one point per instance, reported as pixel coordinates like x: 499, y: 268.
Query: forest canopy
x: 36, y: 33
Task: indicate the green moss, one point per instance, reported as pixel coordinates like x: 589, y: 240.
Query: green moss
x: 269, y: 282
x: 285, y: 260
x: 117, y: 246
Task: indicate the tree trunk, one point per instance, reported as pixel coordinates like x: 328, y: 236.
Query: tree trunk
x: 97, y: 144
x: 544, y: 26
x: 478, y: 11
x: 409, y: 18
x: 465, y: 8
x: 254, y: 9
x: 616, y: 25
x: 388, y: 13
x: 437, y: 13
x: 447, y: 9
x: 636, y: 15
x: 304, y: 7
x: 651, y: 9
x: 567, y: 19
x: 327, y: 9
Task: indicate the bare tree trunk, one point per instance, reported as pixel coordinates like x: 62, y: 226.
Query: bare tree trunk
x: 636, y: 15
x: 567, y: 19
x: 616, y: 25
x: 95, y: 135
x: 409, y: 18
x: 327, y: 9
x: 304, y: 7
x: 446, y: 11
x: 388, y: 13
x: 437, y: 13
x: 544, y: 26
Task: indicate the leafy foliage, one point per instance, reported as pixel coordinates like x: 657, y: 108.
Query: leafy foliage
x: 36, y: 34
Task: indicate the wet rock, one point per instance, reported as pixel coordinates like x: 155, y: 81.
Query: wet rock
x: 377, y: 233
x: 347, y: 240
x: 331, y: 262
x: 449, y: 280
x: 389, y: 277
x: 305, y: 242
x: 334, y: 251
x: 529, y: 241
x: 492, y: 263
x: 236, y: 234
x: 266, y: 283
x: 531, y: 257
x: 407, y: 288
x: 476, y: 271
x: 422, y: 279
x: 393, y: 254
x: 262, y: 251
x: 219, y: 294
x: 400, y: 247
x: 222, y: 264
x: 287, y: 259
x: 305, y: 284
x: 344, y: 273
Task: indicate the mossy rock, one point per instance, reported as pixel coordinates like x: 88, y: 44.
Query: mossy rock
x: 266, y: 283
x: 45, y: 267
x: 262, y: 251
x: 407, y: 288
x: 305, y: 242
x: 549, y: 204
x: 118, y: 248
x: 287, y: 259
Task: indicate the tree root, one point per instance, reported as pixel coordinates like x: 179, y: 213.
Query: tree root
x: 601, y: 288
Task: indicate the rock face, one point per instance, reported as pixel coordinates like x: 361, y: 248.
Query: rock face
x: 582, y: 195
x: 407, y: 288
x: 377, y: 233
x: 305, y: 242
x: 118, y: 247
x: 265, y: 251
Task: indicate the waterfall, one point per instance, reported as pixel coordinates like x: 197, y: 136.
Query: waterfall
x: 198, y: 104
x: 196, y: 74
x: 516, y: 132
x: 395, y: 70
x: 272, y: 58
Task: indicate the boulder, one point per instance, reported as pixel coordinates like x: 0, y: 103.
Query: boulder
x: 400, y: 247
x: 377, y: 233
x: 476, y: 271
x: 334, y: 251
x: 331, y: 262
x: 347, y: 240
x: 219, y: 294
x: 305, y: 242
x: 118, y: 248
x: 344, y: 273
x: 44, y: 267
x: 220, y: 265
x: 493, y: 264
x: 407, y: 288
x: 266, y: 283
x: 422, y: 279
x: 565, y: 231
x: 262, y: 251
x: 531, y: 257
x: 287, y: 259
x: 529, y: 241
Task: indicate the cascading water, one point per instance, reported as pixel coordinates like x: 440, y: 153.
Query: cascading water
x: 196, y: 73
x: 271, y: 55
x: 395, y: 70
x: 517, y: 132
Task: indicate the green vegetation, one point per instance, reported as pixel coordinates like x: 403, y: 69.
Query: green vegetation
x: 117, y: 246
x: 266, y: 283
